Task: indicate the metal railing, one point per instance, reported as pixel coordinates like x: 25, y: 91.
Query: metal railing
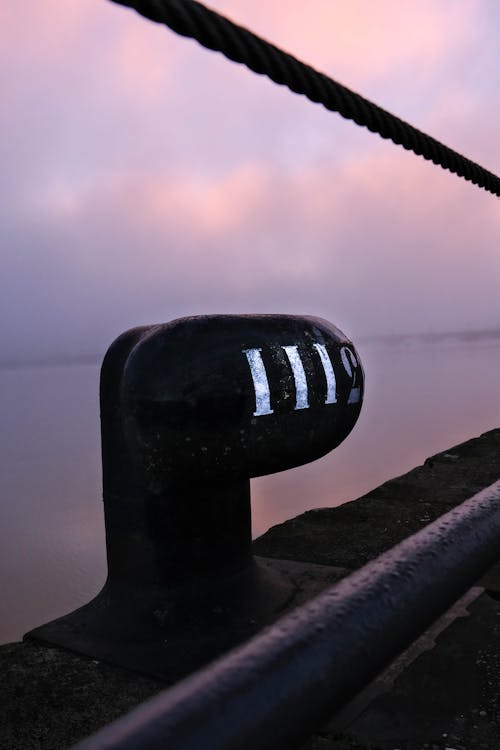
x: 276, y: 689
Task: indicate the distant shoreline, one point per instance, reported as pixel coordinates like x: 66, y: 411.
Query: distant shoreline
x: 53, y: 361
x: 395, y: 339
x: 432, y: 337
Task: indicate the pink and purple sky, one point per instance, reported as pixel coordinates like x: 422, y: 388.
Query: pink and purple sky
x: 144, y: 178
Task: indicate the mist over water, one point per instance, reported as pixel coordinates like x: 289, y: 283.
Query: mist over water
x: 423, y: 395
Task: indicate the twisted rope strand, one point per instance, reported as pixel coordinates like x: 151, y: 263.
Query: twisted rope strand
x: 214, y: 31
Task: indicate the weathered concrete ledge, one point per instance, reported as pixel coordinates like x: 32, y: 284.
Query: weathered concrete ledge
x: 356, y: 532
x: 443, y: 694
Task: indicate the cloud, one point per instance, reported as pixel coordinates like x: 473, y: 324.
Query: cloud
x: 145, y: 178
x: 359, y: 39
x: 382, y: 245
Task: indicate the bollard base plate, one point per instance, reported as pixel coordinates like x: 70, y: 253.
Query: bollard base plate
x: 167, y: 634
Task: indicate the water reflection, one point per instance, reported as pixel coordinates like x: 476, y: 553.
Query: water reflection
x: 422, y: 395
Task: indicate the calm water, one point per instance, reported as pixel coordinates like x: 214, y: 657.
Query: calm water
x: 422, y: 396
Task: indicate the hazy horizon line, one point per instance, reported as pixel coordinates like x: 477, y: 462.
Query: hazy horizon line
x: 94, y: 358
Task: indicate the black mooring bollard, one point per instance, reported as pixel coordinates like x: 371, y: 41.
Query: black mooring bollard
x: 190, y: 410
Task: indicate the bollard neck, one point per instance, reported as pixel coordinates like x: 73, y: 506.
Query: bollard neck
x: 176, y: 530
x: 171, y: 539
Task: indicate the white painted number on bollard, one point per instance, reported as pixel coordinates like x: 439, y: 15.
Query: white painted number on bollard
x: 350, y: 364
x: 261, y: 383
x: 299, y: 375
x: 331, y: 383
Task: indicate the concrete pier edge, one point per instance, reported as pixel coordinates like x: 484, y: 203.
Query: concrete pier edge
x: 444, y: 692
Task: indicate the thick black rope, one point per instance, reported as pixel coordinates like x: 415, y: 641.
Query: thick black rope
x: 191, y: 19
